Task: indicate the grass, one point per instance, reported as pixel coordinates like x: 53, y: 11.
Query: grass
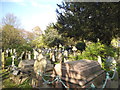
x: 7, y: 83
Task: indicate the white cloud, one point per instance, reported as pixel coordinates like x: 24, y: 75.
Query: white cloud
x: 12, y: 0
x: 41, y: 20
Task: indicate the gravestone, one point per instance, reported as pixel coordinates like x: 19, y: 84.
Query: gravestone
x: 53, y: 57
x: 13, y: 61
x: 35, y: 54
x: 26, y: 64
x: 100, y: 61
x: 40, y: 64
x: 60, y: 57
x: 74, y: 49
x: 21, y: 56
x: 3, y: 59
x: 11, y: 51
x: 29, y: 55
x: 79, y: 74
x: 66, y: 53
x: 7, y: 53
x: 111, y: 62
x: 14, y: 50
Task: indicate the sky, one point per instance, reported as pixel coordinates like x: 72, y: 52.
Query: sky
x: 31, y: 13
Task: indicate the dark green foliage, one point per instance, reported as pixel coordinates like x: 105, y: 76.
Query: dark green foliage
x: 89, y: 21
x: 51, y: 37
x: 81, y: 46
x: 94, y: 50
x: 67, y: 48
x: 22, y: 48
x: 8, y: 61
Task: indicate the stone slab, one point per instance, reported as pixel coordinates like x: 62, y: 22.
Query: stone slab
x: 81, y: 72
x: 26, y: 64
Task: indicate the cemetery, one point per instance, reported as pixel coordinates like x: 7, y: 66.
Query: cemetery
x: 57, y: 71
x: 81, y: 50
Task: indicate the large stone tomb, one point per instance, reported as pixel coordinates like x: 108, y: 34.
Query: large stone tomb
x: 79, y: 74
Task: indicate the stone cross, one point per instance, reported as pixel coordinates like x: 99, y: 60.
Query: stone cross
x: 100, y: 61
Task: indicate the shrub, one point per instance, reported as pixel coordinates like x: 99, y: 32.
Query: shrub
x: 20, y: 49
x: 81, y: 46
x: 94, y: 50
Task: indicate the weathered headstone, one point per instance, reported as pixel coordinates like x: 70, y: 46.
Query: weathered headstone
x: 21, y: 56
x: 11, y: 51
x: 60, y: 57
x: 100, y: 61
x: 40, y: 64
x: 3, y: 60
x: 111, y: 63
x: 26, y: 64
x: 26, y: 55
x: 7, y: 53
x: 35, y: 54
x: 74, y: 50
x: 29, y: 55
x: 13, y: 62
x: 66, y: 53
x: 14, y: 50
x: 80, y: 74
x: 16, y: 72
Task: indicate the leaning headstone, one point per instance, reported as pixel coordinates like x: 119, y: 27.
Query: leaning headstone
x: 40, y: 64
x: 79, y: 74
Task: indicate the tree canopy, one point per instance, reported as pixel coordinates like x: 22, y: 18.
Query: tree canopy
x: 51, y: 37
x: 89, y: 21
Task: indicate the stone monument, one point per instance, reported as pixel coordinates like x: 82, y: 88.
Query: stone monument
x: 79, y: 74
